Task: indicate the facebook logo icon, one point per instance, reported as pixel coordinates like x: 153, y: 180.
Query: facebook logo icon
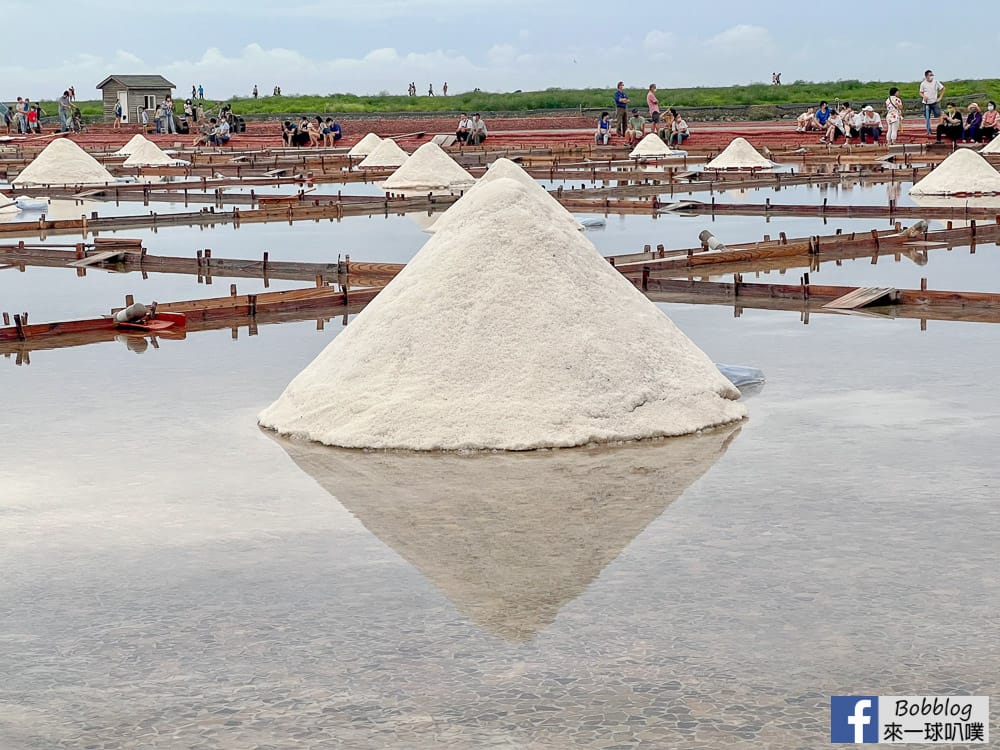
x: 854, y: 719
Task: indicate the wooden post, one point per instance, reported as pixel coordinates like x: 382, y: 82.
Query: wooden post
x: 129, y: 300
x: 645, y: 278
x: 6, y: 319
x: 232, y: 290
x: 18, y: 325
x: 923, y: 284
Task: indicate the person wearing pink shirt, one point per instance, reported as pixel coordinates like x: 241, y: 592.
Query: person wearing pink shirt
x: 654, y: 105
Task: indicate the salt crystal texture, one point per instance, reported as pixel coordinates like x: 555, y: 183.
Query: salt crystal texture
x: 129, y: 148
x: 510, y: 332
x: 993, y: 147
x: 386, y: 154
x: 148, y: 154
x: 365, y: 146
x: 505, y: 168
x: 62, y: 162
x: 651, y: 145
x: 739, y: 154
x: 429, y: 168
x: 964, y: 171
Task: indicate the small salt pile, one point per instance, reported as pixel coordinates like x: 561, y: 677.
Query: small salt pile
x: 148, y: 154
x: 129, y: 148
x: 62, y: 162
x: 386, y: 154
x: 505, y: 168
x: 964, y: 171
x: 509, y: 332
x: 7, y: 205
x: 739, y: 154
x: 365, y: 146
x: 429, y: 168
x: 650, y: 146
x: 993, y: 147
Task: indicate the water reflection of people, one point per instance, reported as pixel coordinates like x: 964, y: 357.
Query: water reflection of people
x: 511, y: 538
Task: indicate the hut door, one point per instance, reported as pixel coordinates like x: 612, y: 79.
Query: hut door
x: 123, y: 100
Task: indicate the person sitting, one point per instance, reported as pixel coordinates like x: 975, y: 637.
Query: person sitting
x: 851, y: 122
x: 989, y: 128
x: 834, y: 127
x: 462, y: 132
x: 871, y: 124
x: 679, y: 131
x: 336, y: 132
x: 634, y: 128
x: 951, y: 124
x: 287, y: 132
x: 219, y: 136
x: 973, y: 124
x: 804, y: 121
x: 302, y: 137
x: 821, y: 116
x: 315, y: 130
x: 603, y: 133
x: 477, y: 130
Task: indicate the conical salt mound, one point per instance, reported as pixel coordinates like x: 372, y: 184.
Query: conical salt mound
x: 62, y: 162
x: 386, y: 154
x: 993, y: 147
x: 429, y: 168
x: 129, y: 148
x: 651, y: 145
x: 7, y: 205
x: 739, y: 154
x: 505, y: 168
x: 508, y: 332
x: 148, y: 154
x: 365, y: 146
x: 964, y: 171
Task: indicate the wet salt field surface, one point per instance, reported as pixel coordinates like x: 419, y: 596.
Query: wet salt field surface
x: 175, y: 578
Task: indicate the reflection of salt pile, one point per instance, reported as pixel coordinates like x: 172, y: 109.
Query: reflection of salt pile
x: 365, y: 146
x: 964, y: 171
x: 506, y: 331
x: 386, y: 154
x: 7, y: 209
x: 993, y: 147
x: 510, y: 539
x: 148, y: 154
x: 429, y: 168
x: 129, y: 148
x: 650, y: 146
x: 63, y: 163
x: 739, y: 154
x: 505, y: 168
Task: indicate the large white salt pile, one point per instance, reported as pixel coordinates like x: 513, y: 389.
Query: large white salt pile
x: 386, y: 154
x: 148, y: 154
x: 129, y: 148
x: 993, y: 147
x: 429, y: 168
x: 365, y: 146
x: 62, y: 162
x: 964, y: 171
x: 510, y: 332
x: 506, y: 169
x: 651, y: 145
x: 739, y: 154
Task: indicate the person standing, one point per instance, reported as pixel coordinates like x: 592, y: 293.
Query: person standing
x: 201, y: 92
x: 118, y: 116
x: 931, y: 92
x: 444, y: 89
x: 168, y: 115
x: 893, y: 116
x: 194, y: 91
x: 430, y: 89
x: 65, y: 103
x: 654, y: 105
x: 621, y: 108
x: 24, y: 107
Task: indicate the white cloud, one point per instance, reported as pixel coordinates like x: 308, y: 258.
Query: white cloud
x: 743, y: 39
x: 659, y: 41
x: 501, y: 54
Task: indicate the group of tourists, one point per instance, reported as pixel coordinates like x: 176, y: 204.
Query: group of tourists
x: 631, y: 125
x: 411, y: 89
x: 976, y: 126
x: 311, y: 132
x: 25, y: 116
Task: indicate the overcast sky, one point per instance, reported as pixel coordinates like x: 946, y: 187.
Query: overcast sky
x: 371, y: 46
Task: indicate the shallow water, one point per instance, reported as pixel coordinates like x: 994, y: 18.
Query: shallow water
x: 175, y: 578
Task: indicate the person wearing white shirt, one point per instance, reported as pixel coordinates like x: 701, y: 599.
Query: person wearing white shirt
x: 931, y: 92
x: 871, y: 124
x: 464, y: 126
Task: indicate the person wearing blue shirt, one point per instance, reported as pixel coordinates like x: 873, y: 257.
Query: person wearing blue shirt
x: 603, y: 133
x: 822, y: 115
x: 621, y: 108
